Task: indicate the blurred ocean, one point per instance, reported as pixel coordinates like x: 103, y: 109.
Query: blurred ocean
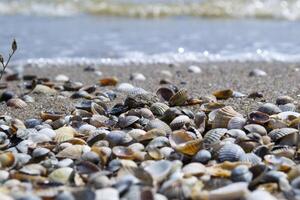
x: 125, y: 32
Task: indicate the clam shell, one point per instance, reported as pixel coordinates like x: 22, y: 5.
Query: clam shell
x: 42, y: 89
x: 7, y: 160
x: 170, y: 114
x: 153, y: 133
x: 279, y: 134
x: 236, y: 133
x: 165, y: 93
x: 184, y: 142
x: 251, y: 158
x: 180, y: 122
x: 269, y: 109
x: 236, y: 123
x: 158, y: 124
x: 230, y: 152
x: 179, y: 98
x: 159, y: 170
x: 200, y: 119
x: 51, y: 115
x: 73, y: 152
x: 284, y: 151
x: 158, y: 108
x: 219, y: 118
x: 109, y: 81
x: 256, y: 128
x: 124, y: 152
x: 127, y: 121
x: 258, y: 117
x: 288, y: 107
x: 64, y: 133
x: 208, y: 107
x: 193, y: 169
x: 281, y: 100
x: 16, y: 103
x: 223, y: 94
x: 61, y: 175
x: 214, y: 136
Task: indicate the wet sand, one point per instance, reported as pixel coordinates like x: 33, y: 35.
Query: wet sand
x: 281, y: 79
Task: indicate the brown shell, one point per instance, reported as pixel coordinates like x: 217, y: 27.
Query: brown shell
x: 16, y: 103
x: 223, y: 94
x: 184, y: 143
x: 258, y: 117
x: 7, y: 159
x: 220, y: 118
x: 109, y: 81
x: 179, y: 98
x: 51, y: 115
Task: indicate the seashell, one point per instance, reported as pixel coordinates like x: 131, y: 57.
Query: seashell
x: 257, y: 73
x: 118, y: 137
x: 236, y: 133
x: 33, y: 169
x: 99, y: 121
x: 109, y: 81
x: 110, y: 192
x: 223, y: 94
x: 86, y: 129
x: 73, y: 152
x: 202, y: 156
x: 61, y: 78
x: 61, y: 175
x: 282, y: 163
x: 155, y: 154
x: 214, y: 136
x: 97, y: 109
x: 208, y: 107
x: 125, y: 87
x: 42, y: 89
x: 286, y: 136
x: 72, y: 86
x: 158, y: 142
x: 219, y: 118
x: 7, y: 95
x: 16, y: 103
x: 165, y: 93
x: 200, y: 119
x: 64, y: 133
x: 184, y: 142
x: 127, y: 121
x: 149, y: 135
x: 137, y: 77
x: 124, y: 152
x: 180, y: 122
x: 31, y: 123
x: 136, y: 133
x: 236, y: 123
x: 159, y: 170
x: 159, y: 108
x: 51, y: 115
x: 260, y: 194
x: 230, y: 152
x: 269, y: 109
x: 258, y: 117
x: 81, y: 113
x: 40, y: 152
x: 241, y: 174
x: 158, y: 124
x: 287, y: 107
x: 251, y: 158
x: 179, y: 98
x: 193, y: 169
x: 7, y: 160
x: 283, y: 151
x: 194, y: 69
x: 170, y: 114
x: 256, y: 128
x: 237, y: 94
x: 282, y: 100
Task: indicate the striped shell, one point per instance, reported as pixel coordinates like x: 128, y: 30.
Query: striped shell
x: 214, y: 136
x: 220, y: 118
x: 179, y: 122
x: 165, y: 93
x: 16, y: 103
x: 158, y: 124
x: 279, y: 134
x: 179, y: 98
x: 230, y: 152
x: 159, y: 108
x: 251, y: 158
x: 127, y: 121
x: 283, y: 150
x: 236, y: 123
x: 184, y: 142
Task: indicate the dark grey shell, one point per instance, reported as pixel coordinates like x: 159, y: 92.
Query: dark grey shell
x: 269, y: 108
x: 278, y: 134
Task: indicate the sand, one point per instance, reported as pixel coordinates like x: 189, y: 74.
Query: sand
x: 281, y: 79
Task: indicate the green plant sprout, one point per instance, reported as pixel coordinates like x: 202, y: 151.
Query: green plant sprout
x: 5, y: 64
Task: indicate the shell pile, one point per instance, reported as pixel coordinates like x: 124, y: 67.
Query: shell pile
x: 149, y: 145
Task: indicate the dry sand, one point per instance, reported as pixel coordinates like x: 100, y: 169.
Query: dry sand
x: 282, y: 79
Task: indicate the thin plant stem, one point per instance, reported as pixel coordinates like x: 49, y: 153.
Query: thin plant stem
x: 6, y: 64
